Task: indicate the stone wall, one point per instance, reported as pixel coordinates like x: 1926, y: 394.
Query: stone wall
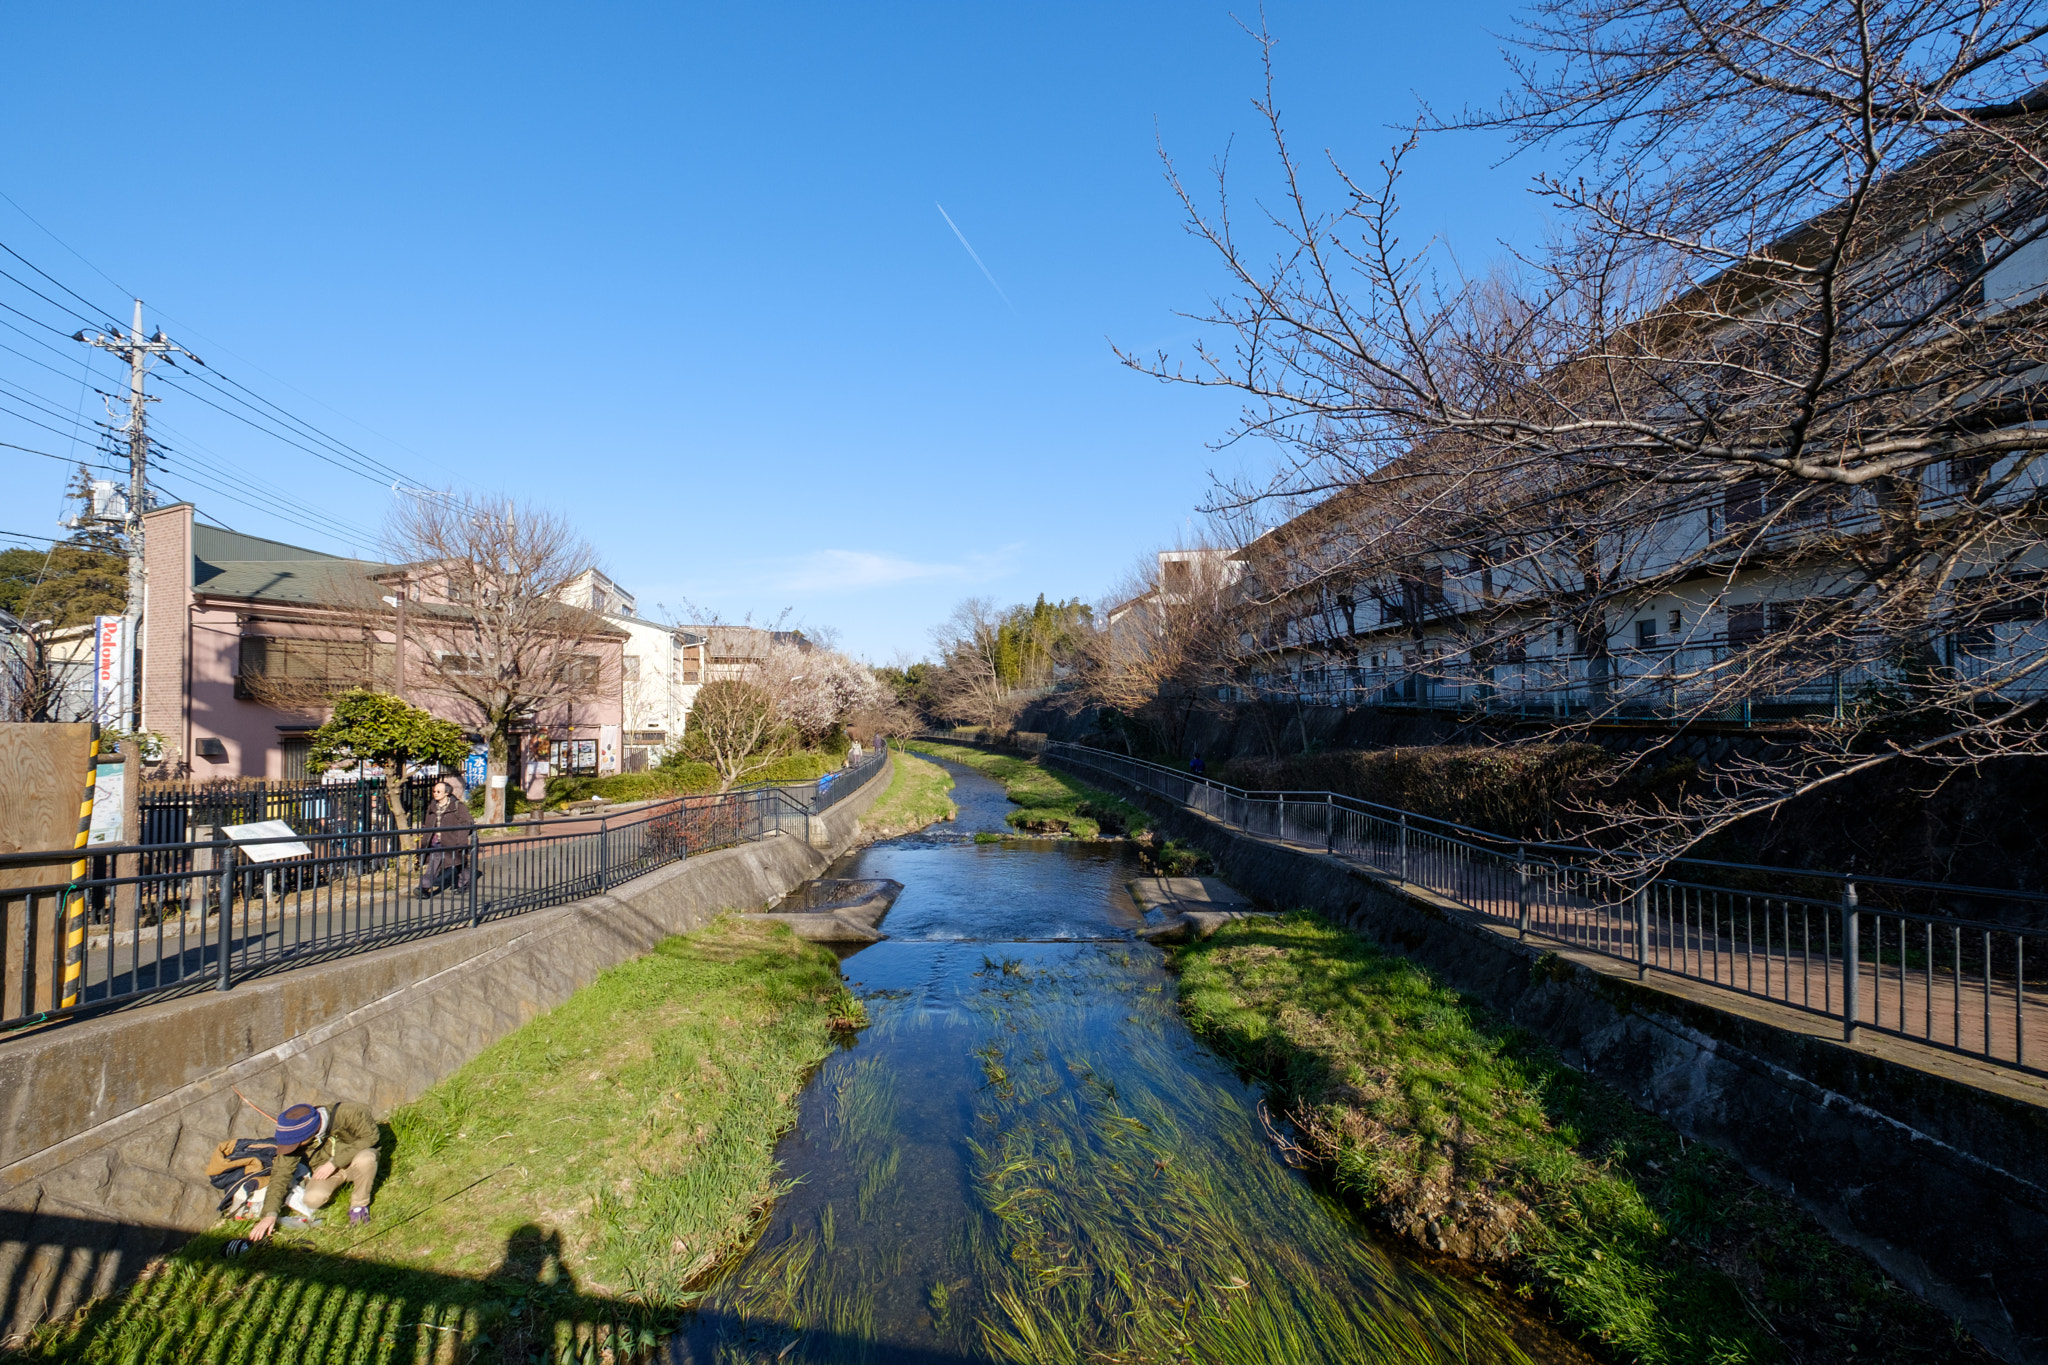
x: 1934, y: 1166
x: 106, y: 1124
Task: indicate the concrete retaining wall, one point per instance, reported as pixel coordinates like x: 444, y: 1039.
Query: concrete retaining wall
x: 1936, y: 1167
x: 106, y: 1124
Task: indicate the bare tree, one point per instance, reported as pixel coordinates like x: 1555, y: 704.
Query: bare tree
x: 496, y: 638
x: 736, y: 728
x: 1769, y: 396
x: 1169, y: 645
x: 969, y: 684
x: 31, y: 682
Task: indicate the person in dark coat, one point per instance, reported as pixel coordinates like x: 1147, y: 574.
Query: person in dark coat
x: 447, y: 828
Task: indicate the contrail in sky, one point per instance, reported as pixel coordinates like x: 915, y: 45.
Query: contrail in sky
x: 971, y: 251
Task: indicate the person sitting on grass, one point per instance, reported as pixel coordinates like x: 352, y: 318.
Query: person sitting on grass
x: 339, y: 1141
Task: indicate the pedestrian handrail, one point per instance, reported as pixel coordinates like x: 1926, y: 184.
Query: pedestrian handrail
x: 156, y: 919
x: 1800, y: 936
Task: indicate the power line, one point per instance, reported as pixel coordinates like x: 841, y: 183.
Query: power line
x: 314, y: 451
x: 283, y: 506
x: 66, y: 308
x: 61, y: 242
x: 379, y: 471
x: 52, y: 278
x: 67, y: 459
x: 256, y: 411
x: 22, y: 417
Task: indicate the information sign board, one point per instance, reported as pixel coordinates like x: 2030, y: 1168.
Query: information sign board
x: 266, y: 829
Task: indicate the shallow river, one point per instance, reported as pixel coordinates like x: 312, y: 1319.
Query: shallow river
x: 1028, y: 1157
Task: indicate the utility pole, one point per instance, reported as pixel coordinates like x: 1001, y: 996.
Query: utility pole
x: 137, y: 350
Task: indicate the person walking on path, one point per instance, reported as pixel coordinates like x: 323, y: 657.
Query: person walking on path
x: 1196, y: 766
x: 449, y: 820
x: 339, y: 1142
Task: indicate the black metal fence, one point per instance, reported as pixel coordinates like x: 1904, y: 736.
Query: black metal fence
x: 1854, y: 949
x: 149, y: 919
x: 833, y: 788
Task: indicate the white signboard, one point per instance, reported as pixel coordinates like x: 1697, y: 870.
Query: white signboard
x: 267, y: 829
x: 110, y: 670
x: 109, y: 804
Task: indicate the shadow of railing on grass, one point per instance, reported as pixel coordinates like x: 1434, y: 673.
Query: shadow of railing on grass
x: 296, y: 1299
x: 299, y: 1299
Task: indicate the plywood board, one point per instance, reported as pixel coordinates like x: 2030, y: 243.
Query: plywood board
x: 42, y: 781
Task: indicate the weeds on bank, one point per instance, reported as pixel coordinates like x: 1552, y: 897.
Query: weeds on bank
x: 1049, y: 802
x: 1468, y: 1137
x: 916, y: 797
x: 556, y: 1198
x: 1120, y: 1211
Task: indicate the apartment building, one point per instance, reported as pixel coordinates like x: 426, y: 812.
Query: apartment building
x: 1660, y: 615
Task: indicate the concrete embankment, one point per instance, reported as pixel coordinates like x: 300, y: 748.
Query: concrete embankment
x: 1933, y: 1165
x: 106, y: 1123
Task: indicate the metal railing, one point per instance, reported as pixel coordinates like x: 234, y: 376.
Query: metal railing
x: 1851, y: 948
x: 147, y: 920
x: 836, y: 787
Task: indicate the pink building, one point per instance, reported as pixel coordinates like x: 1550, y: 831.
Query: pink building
x: 240, y: 636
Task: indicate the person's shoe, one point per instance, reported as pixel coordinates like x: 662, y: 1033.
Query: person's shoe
x: 358, y: 1216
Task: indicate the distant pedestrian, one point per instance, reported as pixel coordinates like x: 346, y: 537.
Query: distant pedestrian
x: 853, y: 753
x: 1196, y: 766
x: 449, y: 820
x: 339, y: 1141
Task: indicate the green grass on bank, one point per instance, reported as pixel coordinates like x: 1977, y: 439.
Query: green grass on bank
x: 1464, y: 1134
x: 624, y: 1143
x: 1048, y: 801
x: 916, y: 797
x: 686, y: 778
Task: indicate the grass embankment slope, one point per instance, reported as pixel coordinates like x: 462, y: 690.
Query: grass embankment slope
x: 1049, y: 802
x: 916, y: 797
x: 692, y: 779
x: 625, y: 1141
x: 1469, y: 1137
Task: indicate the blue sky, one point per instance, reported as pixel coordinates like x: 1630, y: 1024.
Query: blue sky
x: 678, y: 271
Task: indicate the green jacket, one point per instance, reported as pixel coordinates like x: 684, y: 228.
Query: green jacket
x: 351, y: 1127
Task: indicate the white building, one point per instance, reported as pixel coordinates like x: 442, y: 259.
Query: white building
x: 664, y: 670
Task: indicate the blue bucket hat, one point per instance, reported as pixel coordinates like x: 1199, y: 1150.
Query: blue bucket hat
x: 296, y: 1124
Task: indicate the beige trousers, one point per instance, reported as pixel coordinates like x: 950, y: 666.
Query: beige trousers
x: 360, y: 1175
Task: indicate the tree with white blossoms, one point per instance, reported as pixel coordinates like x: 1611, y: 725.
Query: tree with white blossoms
x: 818, y: 689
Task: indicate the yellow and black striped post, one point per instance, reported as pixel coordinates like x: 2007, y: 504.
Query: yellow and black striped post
x: 75, y: 895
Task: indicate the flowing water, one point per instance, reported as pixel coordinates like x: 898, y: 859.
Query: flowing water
x: 1027, y: 1157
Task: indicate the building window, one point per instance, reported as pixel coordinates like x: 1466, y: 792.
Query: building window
x: 294, y: 749
x: 632, y: 668
x: 1646, y: 634
x: 288, y: 670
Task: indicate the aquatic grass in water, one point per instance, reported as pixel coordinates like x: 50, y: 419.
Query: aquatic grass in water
x: 1130, y: 1212
x: 1121, y: 1203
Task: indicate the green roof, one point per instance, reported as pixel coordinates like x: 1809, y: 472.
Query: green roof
x: 229, y: 564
